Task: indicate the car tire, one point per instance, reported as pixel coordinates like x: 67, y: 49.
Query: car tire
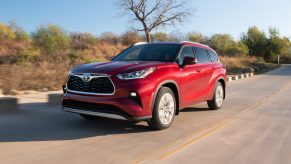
x: 218, y: 97
x: 89, y: 117
x: 164, y: 109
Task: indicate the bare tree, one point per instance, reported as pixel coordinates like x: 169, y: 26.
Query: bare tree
x: 155, y: 13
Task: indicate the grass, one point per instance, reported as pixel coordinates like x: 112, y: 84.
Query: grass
x: 238, y: 65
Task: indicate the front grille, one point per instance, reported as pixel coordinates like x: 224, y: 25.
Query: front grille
x: 97, y: 85
x: 93, y: 107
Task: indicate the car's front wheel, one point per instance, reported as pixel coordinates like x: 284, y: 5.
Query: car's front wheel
x: 164, y: 109
x: 218, y: 96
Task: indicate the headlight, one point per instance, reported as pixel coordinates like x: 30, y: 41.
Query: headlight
x: 137, y: 74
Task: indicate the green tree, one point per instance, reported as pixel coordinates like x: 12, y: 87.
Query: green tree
x: 20, y: 33
x: 224, y: 44
x: 51, y: 39
x: 6, y: 32
x: 276, y: 45
x: 256, y: 41
x: 197, y: 37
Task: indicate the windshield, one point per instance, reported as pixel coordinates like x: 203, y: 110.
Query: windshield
x: 150, y: 52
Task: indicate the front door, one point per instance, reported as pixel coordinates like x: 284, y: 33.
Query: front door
x: 191, y: 79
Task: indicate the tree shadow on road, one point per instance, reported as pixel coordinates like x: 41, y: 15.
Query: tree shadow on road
x: 39, y: 122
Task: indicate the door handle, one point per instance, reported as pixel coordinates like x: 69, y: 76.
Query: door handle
x: 198, y: 70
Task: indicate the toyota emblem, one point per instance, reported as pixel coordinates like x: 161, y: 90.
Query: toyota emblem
x: 86, y: 77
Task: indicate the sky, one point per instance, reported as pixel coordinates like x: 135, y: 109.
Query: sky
x: 98, y: 16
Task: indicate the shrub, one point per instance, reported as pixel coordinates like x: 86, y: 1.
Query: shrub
x: 160, y: 37
x: 51, y: 39
x: 6, y: 32
x: 20, y: 34
x: 224, y: 44
x: 197, y: 37
x: 109, y: 38
x: 82, y: 40
x: 130, y: 38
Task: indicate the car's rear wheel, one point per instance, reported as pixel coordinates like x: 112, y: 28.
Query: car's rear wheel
x: 164, y: 109
x: 89, y: 117
x: 218, y: 96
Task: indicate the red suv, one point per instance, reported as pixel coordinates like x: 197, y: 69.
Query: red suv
x: 147, y: 82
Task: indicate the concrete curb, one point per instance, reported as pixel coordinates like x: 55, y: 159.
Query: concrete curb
x: 239, y: 76
x: 8, y: 104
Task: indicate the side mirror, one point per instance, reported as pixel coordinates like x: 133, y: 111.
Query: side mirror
x: 190, y: 60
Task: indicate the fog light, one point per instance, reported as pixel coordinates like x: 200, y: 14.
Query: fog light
x: 133, y: 94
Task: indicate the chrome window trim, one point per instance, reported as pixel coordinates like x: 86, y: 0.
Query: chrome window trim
x: 92, y: 76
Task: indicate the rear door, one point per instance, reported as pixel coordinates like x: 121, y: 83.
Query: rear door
x: 216, y: 66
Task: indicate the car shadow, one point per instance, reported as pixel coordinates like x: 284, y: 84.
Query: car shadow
x: 39, y: 122
x: 194, y: 109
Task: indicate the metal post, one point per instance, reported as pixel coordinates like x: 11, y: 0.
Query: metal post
x: 278, y: 59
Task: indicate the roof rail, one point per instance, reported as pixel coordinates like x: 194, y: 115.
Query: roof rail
x: 194, y: 43
x: 140, y: 43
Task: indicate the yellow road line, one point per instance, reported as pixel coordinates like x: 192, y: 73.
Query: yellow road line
x: 220, y: 125
x: 191, y: 142
x: 213, y: 129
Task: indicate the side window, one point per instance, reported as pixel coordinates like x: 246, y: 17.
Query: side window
x: 213, y: 56
x: 201, y: 55
x: 186, y: 51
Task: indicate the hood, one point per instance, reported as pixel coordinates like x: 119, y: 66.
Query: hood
x: 112, y: 68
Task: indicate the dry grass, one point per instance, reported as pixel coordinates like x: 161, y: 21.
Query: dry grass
x: 49, y: 74
x: 237, y: 65
x: 41, y: 77
x: 108, y: 51
x: 234, y: 62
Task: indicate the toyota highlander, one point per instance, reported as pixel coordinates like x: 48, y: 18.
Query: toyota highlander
x: 147, y: 82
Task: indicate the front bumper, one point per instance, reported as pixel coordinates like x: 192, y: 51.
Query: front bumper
x: 120, y: 105
x: 106, y: 115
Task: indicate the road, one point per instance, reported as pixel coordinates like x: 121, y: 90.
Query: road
x: 254, y: 126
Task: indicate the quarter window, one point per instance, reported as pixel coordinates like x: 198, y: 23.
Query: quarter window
x: 201, y: 55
